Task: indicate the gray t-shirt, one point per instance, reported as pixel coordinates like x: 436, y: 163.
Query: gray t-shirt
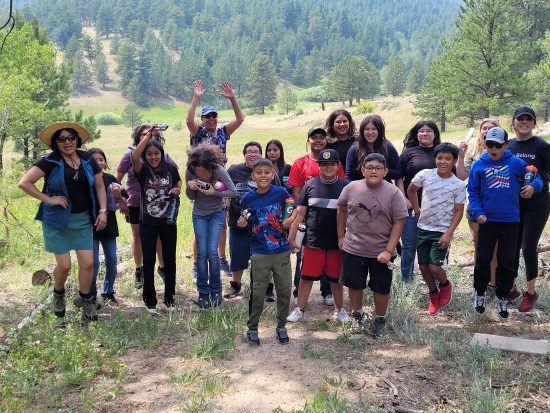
x: 208, y: 204
x: 439, y: 197
x: 372, y: 213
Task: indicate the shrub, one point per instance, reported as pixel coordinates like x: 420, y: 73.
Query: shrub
x: 364, y: 108
x: 299, y: 111
x: 108, y: 118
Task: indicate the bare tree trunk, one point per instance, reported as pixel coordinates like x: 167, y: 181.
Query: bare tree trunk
x: 3, y: 137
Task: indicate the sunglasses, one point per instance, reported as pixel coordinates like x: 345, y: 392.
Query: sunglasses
x: 211, y: 116
x: 491, y: 144
x: 63, y: 139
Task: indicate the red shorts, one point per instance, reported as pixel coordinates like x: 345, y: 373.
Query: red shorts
x: 316, y: 261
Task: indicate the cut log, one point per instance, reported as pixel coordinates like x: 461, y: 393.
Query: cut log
x: 520, y: 345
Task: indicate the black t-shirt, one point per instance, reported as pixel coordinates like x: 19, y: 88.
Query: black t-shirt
x: 75, y: 181
x: 342, y: 147
x: 320, y: 200
x: 155, y: 192
x: 414, y: 160
x: 111, y: 229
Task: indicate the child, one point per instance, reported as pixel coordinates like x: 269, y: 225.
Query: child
x: 160, y: 184
x: 370, y: 218
x: 443, y: 197
x: 494, y: 187
x: 107, y: 236
x: 317, y: 208
x: 270, y: 251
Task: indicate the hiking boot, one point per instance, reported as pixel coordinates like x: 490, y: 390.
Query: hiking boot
x: 282, y: 336
x: 433, y: 308
x: 234, y: 290
x: 296, y: 315
x: 194, y: 273
x: 378, y: 327
x: 253, y: 338
x: 58, y: 303
x: 479, y: 302
x: 216, y: 299
x: 160, y: 272
x: 78, y: 302
x: 89, y: 310
x: 445, y: 294
x: 203, y: 301
x: 513, y: 294
x: 341, y: 315
x: 328, y: 299
x: 224, y: 267
x: 502, y: 308
x: 138, y: 282
x: 269, y: 296
x: 527, y: 302
x: 357, y: 320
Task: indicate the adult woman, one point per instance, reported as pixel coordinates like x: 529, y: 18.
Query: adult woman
x: 340, y: 133
x: 534, y: 211
x: 417, y: 155
x: 203, y: 169
x: 68, y: 208
x: 372, y: 139
x: 160, y: 183
x: 133, y: 212
x: 275, y: 153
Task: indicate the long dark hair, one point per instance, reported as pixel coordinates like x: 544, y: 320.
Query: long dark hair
x: 160, y: 170
x: 206, y: 155
x: 54, y: 144
x: 329, y: 124
x: 93, y: 151
x: 411, y: 140
x: 380, y: 145
x: 136, y: 134
x: 281, y: 161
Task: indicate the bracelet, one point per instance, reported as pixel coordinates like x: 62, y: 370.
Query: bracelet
x: 102, y: 211
x: 388, y: 252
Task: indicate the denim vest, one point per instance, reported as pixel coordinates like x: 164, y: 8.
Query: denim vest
x: 54, y: 215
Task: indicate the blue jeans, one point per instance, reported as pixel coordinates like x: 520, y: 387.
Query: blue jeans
x: 408, y: 248
x: 207, y: 234
x: 109, y: 250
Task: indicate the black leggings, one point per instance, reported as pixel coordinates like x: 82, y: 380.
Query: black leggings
x: 533, y: 218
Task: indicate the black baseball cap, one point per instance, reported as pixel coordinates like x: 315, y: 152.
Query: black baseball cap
x: 525, y: 110
x: 328, y: 155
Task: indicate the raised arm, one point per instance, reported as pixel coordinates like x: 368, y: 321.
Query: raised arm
x: 198, y: 91
x: 227, y: 92
x: 136, y: 154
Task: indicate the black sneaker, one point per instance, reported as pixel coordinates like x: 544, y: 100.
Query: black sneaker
x: 479, y: 303
x: 269, y: 296
x: 110, y: 299
x: 203, y: 301
x: 378, y: 327
x: 357, y: 320
x: 502, y: 308
x: 138, y: 282
x: 160, y: 272
x: 234, y: 290
x: 58, y: 304
x: 216, y: 299
x: 282, y: 336
x: 253, y: 338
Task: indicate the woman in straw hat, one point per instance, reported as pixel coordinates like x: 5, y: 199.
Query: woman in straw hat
x: 73, y: 185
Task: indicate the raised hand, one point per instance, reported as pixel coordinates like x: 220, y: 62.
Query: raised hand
x: 227, y: 90
x: 198, y: 90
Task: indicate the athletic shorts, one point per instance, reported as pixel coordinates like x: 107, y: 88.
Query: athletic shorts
x: 239, y: 249
x: 316, y: 261
x: 134, y: 215
x: 428, y: 250
x: 356, y: 270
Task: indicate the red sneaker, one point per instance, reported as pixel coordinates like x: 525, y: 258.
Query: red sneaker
x: 434, y: 303
x: 445, y: 295
x: 527, y: 302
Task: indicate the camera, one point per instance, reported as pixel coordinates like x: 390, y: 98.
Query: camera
x: 202, y: 184
x: 162, y: 127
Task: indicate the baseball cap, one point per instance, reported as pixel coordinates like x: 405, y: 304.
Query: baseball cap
x: 209, y: 109
x: 315, y: 130
x: 498, y: 135
x: 524, y: 110
x: 328, y: 155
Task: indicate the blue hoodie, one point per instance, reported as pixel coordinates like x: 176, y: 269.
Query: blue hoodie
x: 494, y: 187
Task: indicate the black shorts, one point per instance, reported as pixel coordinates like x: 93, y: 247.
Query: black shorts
x: 134, y: 215
x: 356, y: 270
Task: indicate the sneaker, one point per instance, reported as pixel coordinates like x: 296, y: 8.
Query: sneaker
x: 296, y: 315
x: 234, y: 290
x: 479, y: 303
x: 502, y: 308
x: 138, y: 282
x: 269, y: 296
x: 253, y: 338
x: 224, y: 267
x: 203, y: 301
x: 152, y: 310
x: 378, y: 327
x: 527, y: 302
x: 89, y: 310
x: 341, y: 315
x: 160, y: 272
x: 328, y: 299
x: 194, y: 273
x: 445, y: 295
x: 216, y: 299
x: 78, y: 302
x: 358, y: 319
x: 58, y: 304
x: 110, y: 299
x: 282, y: 336
x: 513, y: 294
x: 171, y: 307
x: 433, y: 308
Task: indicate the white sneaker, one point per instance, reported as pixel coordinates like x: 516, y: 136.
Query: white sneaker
x: 296, y: 315
x: 328, y: 299
x: 152, y: 310
x: 341, y: 315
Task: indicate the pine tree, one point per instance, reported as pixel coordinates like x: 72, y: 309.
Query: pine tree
x: 353, y: 78
x: 262, y: 82
x: 131, y: 116
x: 286, y: 99
x: 395, y: 76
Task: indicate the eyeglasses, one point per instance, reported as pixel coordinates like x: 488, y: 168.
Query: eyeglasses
x: 253, y: 152
x: 63, y: 139
x: 491, y: 144
x: 211, y: 116
x: 376, y: 169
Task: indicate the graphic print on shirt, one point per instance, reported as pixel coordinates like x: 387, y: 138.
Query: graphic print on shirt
x: 497, y: 176
x: 366, y: 210
x: 267, y: 222
x: 157, y: 195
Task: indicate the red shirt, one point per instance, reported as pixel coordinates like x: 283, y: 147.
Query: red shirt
x: 304, y: 168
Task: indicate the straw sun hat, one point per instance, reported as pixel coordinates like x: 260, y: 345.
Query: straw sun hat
x: 47, y: 133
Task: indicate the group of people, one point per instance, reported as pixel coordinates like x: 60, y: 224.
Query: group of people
x: 354, y: 201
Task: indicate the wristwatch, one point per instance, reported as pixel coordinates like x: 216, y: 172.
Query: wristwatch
x: 102, y: 211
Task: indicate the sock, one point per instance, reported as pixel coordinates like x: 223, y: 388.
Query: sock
x: 62, y: 291
x: 86, y: 296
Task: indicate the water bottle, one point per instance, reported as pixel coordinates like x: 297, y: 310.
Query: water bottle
x: 219, y: 186
x: 288, y: 208
x: 530, y: 173
x: 300, y: 234
x: 172, y: 210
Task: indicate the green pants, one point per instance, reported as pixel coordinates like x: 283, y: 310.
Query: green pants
x: 261, y: 266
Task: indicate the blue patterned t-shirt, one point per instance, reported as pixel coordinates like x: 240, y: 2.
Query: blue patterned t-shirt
x: 220, y: 138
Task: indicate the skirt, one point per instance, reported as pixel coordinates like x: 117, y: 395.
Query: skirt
x: 78, y: 235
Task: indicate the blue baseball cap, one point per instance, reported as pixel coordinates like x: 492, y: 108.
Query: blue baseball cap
x: 209, y: 109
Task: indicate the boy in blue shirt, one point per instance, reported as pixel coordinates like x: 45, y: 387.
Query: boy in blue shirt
x: 262, y: 210
x: 494, y: 187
